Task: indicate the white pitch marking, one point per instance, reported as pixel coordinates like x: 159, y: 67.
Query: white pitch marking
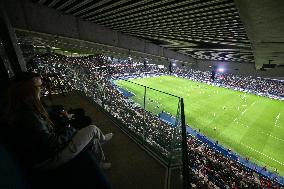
x: 261, y: 132
x: 275, y: 137
x: 276, y: 120
x: 262, y: 154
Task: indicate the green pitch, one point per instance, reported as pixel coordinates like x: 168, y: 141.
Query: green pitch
x: 250, y: 125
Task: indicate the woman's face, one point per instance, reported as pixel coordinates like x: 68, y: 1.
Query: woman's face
x: 37, y: 83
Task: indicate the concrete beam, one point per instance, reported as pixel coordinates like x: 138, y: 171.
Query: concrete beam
x: 28, y: 16
x: 10, y: 43
x: 263, y: 21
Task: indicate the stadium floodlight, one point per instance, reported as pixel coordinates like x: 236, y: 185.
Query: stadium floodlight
x: 221, y: 69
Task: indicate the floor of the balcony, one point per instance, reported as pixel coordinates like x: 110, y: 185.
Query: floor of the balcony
x: 131, y: 167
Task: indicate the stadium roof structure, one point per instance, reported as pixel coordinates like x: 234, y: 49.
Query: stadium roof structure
x: 201, y: 29
x: 222, y: 30
x: 31, y: 41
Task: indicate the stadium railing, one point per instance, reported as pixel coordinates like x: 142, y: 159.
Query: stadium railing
x: 156, y: 127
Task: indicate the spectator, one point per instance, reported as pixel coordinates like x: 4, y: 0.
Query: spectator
x: 44, y: 148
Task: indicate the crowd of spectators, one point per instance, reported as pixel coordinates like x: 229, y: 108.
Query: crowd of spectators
x: 257, y: 85
x: 223, y: 171
x: 93, y: 77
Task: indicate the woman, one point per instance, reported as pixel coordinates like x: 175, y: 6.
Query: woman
x: 41, y: 146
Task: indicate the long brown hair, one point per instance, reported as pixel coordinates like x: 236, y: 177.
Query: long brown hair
x: 24, y: 95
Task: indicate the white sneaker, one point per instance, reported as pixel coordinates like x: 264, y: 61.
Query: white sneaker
x: 108, y: 137
x: 105, y: 165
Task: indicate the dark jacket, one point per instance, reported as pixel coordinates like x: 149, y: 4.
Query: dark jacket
x: 34, y: 140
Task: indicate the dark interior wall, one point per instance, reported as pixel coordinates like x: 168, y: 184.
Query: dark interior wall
x: 10, y: 57
x: 4, y: 82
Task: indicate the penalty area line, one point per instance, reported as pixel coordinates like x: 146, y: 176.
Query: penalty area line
x: 263, y: 154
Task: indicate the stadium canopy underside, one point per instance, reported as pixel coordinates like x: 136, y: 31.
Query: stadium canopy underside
x: 249, y: 32
x: 34, y: 41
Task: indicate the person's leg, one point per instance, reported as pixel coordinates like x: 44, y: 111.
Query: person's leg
x: 81, y: 139
x: 81, y: 122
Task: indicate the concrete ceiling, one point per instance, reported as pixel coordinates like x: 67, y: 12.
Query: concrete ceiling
x: 202, y: 29
x: 30, y: 41
x: 264, y: 23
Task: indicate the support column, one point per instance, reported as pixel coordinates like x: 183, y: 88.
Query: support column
x: 4, y: 82
x: 187, y: 178
x: 4, y: 76
x: 10, y: 44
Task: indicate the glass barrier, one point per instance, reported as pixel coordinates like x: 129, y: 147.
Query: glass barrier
x: 150, y: 116
x: 154, y: 117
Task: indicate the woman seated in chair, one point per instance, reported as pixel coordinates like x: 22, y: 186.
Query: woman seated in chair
x: 42, y: 147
